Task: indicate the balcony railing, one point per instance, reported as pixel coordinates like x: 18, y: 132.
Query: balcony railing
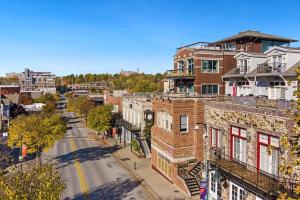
x: 128, y: 125
x: 181, y: 73
x: 263, y: 182
x: 271, y: 67
x: 241, y: 70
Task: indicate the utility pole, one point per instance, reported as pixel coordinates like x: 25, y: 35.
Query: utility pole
x: 21, y: 152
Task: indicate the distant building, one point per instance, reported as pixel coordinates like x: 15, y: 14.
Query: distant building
x: 99, y: 85
x: 37, y: 81
x: 127, y: 73
x: 12, y: 75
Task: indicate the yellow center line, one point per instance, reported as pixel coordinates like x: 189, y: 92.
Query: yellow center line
x: 83, y: 184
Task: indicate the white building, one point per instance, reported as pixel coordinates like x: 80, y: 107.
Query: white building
x: 137, y: 110
x: 37, y: 81
x: 271, y: 74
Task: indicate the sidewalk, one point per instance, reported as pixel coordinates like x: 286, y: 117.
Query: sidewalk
x: 157, y: 185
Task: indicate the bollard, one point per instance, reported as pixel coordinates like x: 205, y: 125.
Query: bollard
x: 134, y: 165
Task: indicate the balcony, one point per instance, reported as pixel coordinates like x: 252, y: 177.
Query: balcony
x: 189, y: 74
x: 129, y: 126
x: 241, y: 70
x: 271, y: 68
x: 267, y: 185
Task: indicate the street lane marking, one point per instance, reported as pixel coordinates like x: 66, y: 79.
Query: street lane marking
x: 82, y: 180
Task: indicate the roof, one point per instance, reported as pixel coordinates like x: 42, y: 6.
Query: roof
x: 255, y: 34
x: 292, y: 70
x: 251, y: 54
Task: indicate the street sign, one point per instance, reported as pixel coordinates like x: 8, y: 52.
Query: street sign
x: 20, y: 157
x: 5, y: 134
x: 24, y: 150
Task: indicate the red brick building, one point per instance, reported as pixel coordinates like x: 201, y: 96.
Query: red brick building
x: 177, y: 139
x: 199, y: 67
x: 9, y: 89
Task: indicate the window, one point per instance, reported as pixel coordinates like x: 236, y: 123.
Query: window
x: 210, y: 89
x: 210, y: 66
x: 239, y: 144
x: 216, y: 137
x: 236, y: 192
x: 268, y: 160
x: 214, y: 186
x: 164, y: 120
x: 184, y: 123
x: 164, y: 165
x: 191, y: 66
x: 180, y: 66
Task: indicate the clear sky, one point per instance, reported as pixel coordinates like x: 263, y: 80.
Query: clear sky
x: 86, y: 36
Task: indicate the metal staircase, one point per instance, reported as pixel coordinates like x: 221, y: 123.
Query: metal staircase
x: 145, y: 148
x: 191, y: 177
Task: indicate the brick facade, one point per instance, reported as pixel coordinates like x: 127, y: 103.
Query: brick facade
x: 178, y: 147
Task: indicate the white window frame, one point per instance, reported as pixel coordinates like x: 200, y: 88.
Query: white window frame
x: 240, y: 191
x: 215, y: 137
x: 187, y: 123
x: 217, y: 185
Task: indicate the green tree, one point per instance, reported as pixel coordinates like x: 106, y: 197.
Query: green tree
x: 39, y: 183
x: 37, y: 132
x: 99, y: 118
x: 81, y: 106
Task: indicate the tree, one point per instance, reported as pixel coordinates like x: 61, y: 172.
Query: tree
x: 291, y: 145
x: 99, y: 118
x: 81, y: 106
x: 37, y: 132
x: 40, y: 182
x: 25, y: 99
x: 49, y: 108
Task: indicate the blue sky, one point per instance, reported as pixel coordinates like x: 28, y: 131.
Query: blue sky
x: 86, y: 36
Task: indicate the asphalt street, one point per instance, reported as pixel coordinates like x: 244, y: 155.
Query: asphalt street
x: 90, y: 171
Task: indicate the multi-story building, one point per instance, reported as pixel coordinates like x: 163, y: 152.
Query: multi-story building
x: 245, y: 150
x: 94, y: 87
x: 137, y: 114
x: 37, y: 81
x: 199, y: 67
x: 230, y: 144
x: 177, y: 140
x: 271, y: 74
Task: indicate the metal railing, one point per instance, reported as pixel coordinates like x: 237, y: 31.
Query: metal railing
x: 128, y: 125
x: 241, y: 70
x: 268, y: 183
x: 181, y: 73
x: 275, y: 67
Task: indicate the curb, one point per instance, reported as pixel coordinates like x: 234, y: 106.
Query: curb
x: 138, y: 178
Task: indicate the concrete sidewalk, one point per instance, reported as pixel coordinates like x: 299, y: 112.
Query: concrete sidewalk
x: 158, y: 186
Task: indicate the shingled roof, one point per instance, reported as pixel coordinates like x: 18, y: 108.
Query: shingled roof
x: 255, y: 34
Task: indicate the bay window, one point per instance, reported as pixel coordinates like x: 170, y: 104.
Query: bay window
x: 164, y: 120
